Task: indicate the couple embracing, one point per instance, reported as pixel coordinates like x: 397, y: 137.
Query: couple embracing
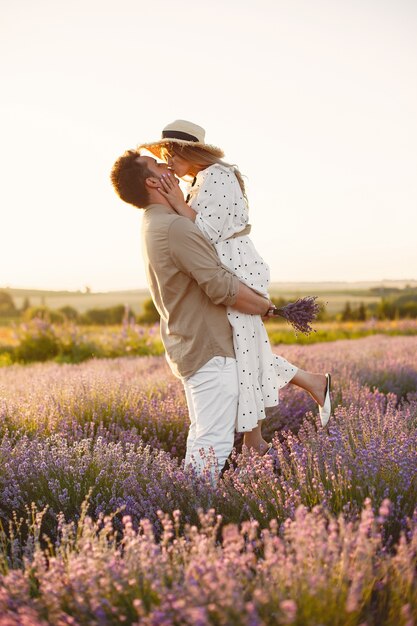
x: 210, y: 287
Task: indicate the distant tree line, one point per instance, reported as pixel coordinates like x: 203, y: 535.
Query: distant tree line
x: 118, y: 314
x: 105, y: 316
x: 390, y: 307
x: 349, y: 313
x: 394, y: 304
x: 7, y: 306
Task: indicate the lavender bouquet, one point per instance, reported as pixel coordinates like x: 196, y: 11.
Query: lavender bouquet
x: 300, y: 314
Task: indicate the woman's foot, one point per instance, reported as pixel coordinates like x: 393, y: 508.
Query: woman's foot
x: 254, y: 440
x: 265, y: 448
x: 320, y: 391
x: 325, y: 410
x: 314, y: 384
x: 261, y: 447
x: 318, y: 386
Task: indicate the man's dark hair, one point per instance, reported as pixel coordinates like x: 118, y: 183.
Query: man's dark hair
x: 128, y: 178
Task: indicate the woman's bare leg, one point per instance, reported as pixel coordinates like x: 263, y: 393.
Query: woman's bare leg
x: 254, y: 439
x: 314, y: 384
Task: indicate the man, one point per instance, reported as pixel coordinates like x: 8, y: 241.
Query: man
x: 191, y: 290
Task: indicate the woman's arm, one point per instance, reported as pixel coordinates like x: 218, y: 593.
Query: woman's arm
x: 250, y: 302
x: 171, y: 190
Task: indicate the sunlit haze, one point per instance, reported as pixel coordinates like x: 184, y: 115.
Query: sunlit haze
x: 315, y: 101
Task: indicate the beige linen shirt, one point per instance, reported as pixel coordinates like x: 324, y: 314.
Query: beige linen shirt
x: 190, y: 289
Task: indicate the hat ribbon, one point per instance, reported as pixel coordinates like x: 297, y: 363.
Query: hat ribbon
x: 177, y: 134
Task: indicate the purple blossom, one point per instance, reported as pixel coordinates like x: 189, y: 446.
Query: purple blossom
x: 132, y: 537
x: 300, y: 314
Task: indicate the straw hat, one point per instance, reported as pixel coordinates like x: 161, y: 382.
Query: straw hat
x: 184, y: 133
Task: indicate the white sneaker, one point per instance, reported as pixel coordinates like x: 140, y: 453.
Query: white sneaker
x: 326, y: 410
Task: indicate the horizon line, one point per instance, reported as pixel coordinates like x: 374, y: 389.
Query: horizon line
x: 83, y: 291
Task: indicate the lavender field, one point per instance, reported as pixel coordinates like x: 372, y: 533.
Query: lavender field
x: 100, y: 524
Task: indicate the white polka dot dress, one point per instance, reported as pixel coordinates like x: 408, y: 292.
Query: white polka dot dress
x: 221, y: 212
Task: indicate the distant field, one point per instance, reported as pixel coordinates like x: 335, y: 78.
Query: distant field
x: 81, y: 301
x: 334, y: 294
x: 334, y: 300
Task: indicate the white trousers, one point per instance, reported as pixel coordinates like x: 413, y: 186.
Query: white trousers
x: 212, y: 397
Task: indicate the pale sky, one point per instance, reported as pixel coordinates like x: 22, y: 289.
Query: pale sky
x: 315, y: 100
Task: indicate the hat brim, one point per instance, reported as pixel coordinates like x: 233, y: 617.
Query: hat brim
x: 156, y: 147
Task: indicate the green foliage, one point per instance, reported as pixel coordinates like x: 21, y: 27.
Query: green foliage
x: 143, y: 344
x: 386, y: 310
x: 25, y: 305
x: 361, y: 317
x: 73, y: 351
x: 335, y: 332
x: 150, y: 314
x: 347, y: 314
x: 7, y: 306
x: 288, y: 336
x: 69, y: 313
x: 360, y: 314
x: 39, y: 340
x: 409, y: 309
x: 43, y: 313
x: 112, y: 315
x: 36, y: 343
x: 399, y: 307
x: 6, y: 358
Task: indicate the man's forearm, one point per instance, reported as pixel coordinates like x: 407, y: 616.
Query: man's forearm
x: 248, y: 301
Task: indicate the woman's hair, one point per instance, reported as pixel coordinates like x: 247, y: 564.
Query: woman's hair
x: 199, y: 156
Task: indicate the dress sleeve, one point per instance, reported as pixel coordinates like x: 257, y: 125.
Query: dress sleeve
x: 192, y: 254
x: 215, y: 204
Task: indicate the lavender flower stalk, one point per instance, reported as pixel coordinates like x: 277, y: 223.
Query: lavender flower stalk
x: 300, y: 314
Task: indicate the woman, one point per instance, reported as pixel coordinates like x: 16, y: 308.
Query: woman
x: 217, y: 203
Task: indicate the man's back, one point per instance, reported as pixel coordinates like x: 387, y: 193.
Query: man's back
x: 190, y: 288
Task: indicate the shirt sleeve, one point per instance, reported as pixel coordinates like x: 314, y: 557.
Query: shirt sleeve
x: 192, y: 254
x: 215, y: 204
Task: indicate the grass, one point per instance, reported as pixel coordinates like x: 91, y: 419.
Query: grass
x: 333, y: 331
x: 41, y: 341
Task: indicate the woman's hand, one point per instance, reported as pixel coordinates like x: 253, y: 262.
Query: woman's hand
x: 171, y: 190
